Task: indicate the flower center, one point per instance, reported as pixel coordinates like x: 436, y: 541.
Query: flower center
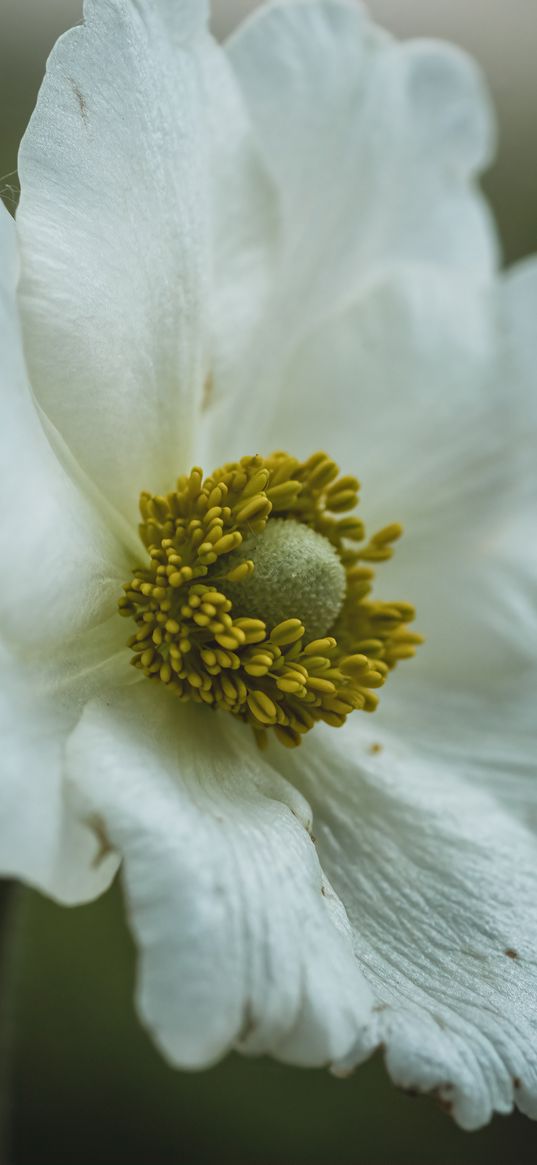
x: 297, y: 574
x: 255, y: 598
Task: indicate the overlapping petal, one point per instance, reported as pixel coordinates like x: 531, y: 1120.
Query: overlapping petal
x: 42, y: 839
x: 372, y: 144
x: 439, y: 885
x: 373, y: 148
x: 114, y: 243
x: 407, y: 389
x: 397, y: 387
x: 61, y: 565
x: 136, y: 115
x: 489, y: 738
x: 242, y: 942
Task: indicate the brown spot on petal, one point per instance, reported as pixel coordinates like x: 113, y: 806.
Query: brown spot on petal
x: 511, y: 953
x: 80, y: 98
x: 208, y: 392
x: 375, y: 748
x: 517, y: 1083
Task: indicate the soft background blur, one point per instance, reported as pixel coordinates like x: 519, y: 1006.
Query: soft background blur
x: 87, y: 1086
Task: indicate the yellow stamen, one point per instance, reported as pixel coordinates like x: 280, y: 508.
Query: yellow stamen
x: 200, y: 631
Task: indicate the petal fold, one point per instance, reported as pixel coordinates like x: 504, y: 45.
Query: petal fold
x: 373, y: 146
x: 63, y: 568
x: 440, y: 886
x: 42, y: 840
x: 241, y: 942
x: 113, y: 221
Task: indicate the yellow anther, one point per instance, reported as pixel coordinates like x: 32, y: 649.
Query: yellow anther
x: 231, y: 639
x: 262, y: 707
x: 344, y: 500
x: 343, y: 483
x: 240, y: 572
x: 228, y: 543
x: 355, y: 664
x: 320, y: 470
x: 284, y: 495
x: 319, y: 684
x: 257, y: 507
x: 253, y: 629
x: 256, y: 483
x: 387, y: 534
x: 286, y: 685
x: 320, y: 646
x: 287, y: 632
x: 256, y: 668
x: 351, y: 529
x: 196, y: 638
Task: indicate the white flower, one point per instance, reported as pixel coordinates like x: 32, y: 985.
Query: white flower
x: 292, y: 223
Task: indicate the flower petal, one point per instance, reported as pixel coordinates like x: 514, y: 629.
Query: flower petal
x: 241, y: 943
x: 407, y: 389
x: 113, y: 221
x: 373, y: 146
x: 490, y: 739
x: 519, y: 349
x: 62, y: 568
x: 244, y: 240
x: 41, y: 839
x: 520, y: 306
x: 440, y: 886
x: 397, y: 387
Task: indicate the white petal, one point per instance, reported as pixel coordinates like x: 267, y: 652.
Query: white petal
x: 42, y: 841
x: 62, y: 568
x: 113, y: 220
x: 244, y: 240
x: 518, y: 292
x: 440, y: 886
x: 397, y: 389
x: 473, y: 573
x: 490, y: 740
x: 407, y: 390
x: 520, y: 308
x: 240, y: 942
x: 373, y: 146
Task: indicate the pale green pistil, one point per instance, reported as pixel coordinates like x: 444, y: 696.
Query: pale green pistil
x: 297, y: 574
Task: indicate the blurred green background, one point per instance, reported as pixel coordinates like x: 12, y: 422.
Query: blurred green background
x: 87, y: 1087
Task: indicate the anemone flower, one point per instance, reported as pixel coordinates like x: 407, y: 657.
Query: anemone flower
x: 232, y: 257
